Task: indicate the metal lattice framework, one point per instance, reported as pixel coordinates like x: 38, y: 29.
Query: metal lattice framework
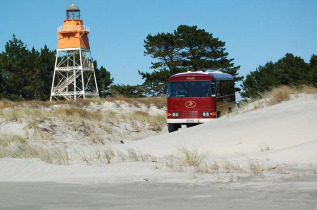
x: 74, y: 76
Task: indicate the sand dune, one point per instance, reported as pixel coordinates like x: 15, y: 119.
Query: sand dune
x: 285, y: 132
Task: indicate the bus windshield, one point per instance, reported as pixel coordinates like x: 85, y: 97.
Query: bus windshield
x: 191, y: 89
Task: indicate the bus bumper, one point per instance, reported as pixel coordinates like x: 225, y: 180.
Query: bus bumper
x: 185, y: 121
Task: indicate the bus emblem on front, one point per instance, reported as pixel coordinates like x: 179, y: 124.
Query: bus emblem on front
x: 190, y: 104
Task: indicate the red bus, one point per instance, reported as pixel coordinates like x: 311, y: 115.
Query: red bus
x: 197, y: 97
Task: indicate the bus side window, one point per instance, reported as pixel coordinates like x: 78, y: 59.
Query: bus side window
x: 218, y: 89
x: 213, y: 89
x: 225, y: 88
x: 232, y: 87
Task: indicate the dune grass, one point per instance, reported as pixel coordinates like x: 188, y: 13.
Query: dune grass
x: 159, y: 102
x: 275, y: 96
x: 67, y: 114
x: 138, y: 118
x: 186, y: 160
x: 6, y: 140
x: 80, y: 117
x: 25, y: 151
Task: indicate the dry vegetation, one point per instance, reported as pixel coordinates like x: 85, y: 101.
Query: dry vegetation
x: 17, y: 147
x: 186, y: 160
x: 46, y: 129
x: 159, y: 102
x: 277, y: 95
x: 89, y: 118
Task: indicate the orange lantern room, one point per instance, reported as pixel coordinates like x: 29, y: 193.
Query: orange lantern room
x: 73, y: 34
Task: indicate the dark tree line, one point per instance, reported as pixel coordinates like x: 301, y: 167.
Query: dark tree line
x: 27, y: 74
x: 290, y: 70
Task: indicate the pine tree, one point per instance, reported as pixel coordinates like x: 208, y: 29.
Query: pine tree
x: 291, y: 70
x: 13, y: 69
x: 187, y: 48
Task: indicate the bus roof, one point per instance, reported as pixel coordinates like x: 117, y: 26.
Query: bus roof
x: 218, y: 75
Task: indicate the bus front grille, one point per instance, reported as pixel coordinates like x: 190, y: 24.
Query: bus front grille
x: 193, y: 114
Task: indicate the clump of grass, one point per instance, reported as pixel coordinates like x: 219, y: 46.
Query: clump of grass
x: 137, y: 156
x: 109, y: 155
x: 134, y: 155
x: 280, y: 94
x: 138, y: 116
x: 112, y: 118
x: 78, y: 113
x: 88, y: 158
x: 191, y: 157
x: 155, y: 123
x: 255, y: 168
x: 307, y: 89
x: 210, y: 168
x: 105, y: 128
x: 52, y: 155
x: 39, y: 132
x: 6, y: 140
x: 121, y: 155
x: 5, y: 103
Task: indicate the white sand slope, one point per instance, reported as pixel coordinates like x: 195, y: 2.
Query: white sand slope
x: 284, y: 133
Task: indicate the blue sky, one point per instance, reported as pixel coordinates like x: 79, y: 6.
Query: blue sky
x: 255, y: 31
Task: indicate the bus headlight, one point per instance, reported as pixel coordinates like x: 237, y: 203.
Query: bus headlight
x: 175, y: 114
x: 206, y: 114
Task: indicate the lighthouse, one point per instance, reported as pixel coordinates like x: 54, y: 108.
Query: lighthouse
x: 74, y: 76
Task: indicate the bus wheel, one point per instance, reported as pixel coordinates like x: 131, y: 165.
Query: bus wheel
x: 172, y: 127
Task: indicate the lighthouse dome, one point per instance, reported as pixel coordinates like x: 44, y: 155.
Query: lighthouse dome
x: 72, y: 7
x: 73, y: 12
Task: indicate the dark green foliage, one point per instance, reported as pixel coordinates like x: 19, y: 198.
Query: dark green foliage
x: 27, y: 74
x: 104, y: 80
x: 131, y: 91
x: 16, y: 70
x: 186, y: 49
x: 45, y: 73
x: 312, y: 76
x: 290, y: 70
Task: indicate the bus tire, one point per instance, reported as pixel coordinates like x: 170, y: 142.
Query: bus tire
x: 172, y: 127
